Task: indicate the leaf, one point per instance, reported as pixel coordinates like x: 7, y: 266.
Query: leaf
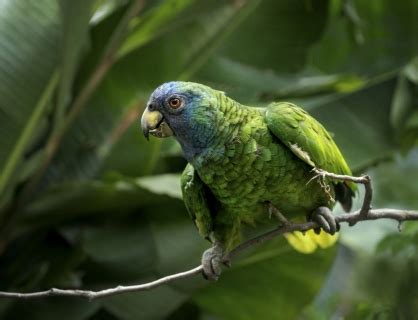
x: 47, y: 309
x: 155, y: 304
x: 381, y: 51
x: 75, y: 16
x: 403, y: 103
x: 115, y: 242
x: 393, y: 182
x: 119, y: 252
x: 104, y: 8
x: 72, y: 200
x: 29, y: 46
x: 156, y: 21
x: 250, y: 84
x: 42, y: 41
x: 38, y: 261
x: 168, y: 184
x: 404, y: 113
x: 216, y: 27
x: 288, y: 29
x: 364, y: 113
x: 277, y: 286
x: 391, y: 190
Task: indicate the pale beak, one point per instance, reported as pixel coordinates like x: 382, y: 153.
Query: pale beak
x: 152, y: 122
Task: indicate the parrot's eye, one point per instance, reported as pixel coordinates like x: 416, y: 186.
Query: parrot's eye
x: 175, y: 103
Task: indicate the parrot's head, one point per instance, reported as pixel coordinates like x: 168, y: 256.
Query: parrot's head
x: 186, y: 110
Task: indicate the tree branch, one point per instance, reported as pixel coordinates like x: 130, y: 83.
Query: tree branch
x: 364, y: 214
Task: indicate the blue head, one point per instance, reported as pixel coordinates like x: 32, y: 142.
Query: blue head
x: 186, y: 110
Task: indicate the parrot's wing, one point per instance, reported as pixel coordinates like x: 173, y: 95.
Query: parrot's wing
x: 197, y: 198
x: 310, y: 142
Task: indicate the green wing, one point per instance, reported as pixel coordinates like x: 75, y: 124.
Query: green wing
x: 309, y: 141
x: 196, y: 197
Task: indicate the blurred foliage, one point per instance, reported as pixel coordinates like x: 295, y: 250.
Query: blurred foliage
x: 86, y: 202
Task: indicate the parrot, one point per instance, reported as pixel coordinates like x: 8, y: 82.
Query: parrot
x: 246, y: 164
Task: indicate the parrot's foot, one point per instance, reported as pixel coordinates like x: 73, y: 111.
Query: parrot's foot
x: 326, y: 220
x: 212, y: 262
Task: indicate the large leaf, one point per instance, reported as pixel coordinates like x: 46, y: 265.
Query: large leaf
x: 76, y: 199
x: 367, y: 114
x: 29, y: 42
x: 75, y: 19
x: 253, y: 85
x: 276, y: 282
x: 119, y: 252
x: 68, y: 309
x: 156, y: 22
x: 378, y: 49
x: 278, y: 34
x: 153, y: 305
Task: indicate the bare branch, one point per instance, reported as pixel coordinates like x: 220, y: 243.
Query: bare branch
x: 365, y: 180
x: 91, y: 295
x: 364, y: 214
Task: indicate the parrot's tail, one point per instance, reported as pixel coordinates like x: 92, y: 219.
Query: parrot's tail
x: 310, y: 241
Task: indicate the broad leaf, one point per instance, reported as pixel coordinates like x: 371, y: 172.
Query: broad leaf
x: 278, y: 284
x: 29, y: 43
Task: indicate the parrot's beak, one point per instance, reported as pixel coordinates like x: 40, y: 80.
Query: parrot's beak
x: 152, y: 122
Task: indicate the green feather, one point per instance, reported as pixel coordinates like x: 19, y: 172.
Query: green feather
x: 259, y: 156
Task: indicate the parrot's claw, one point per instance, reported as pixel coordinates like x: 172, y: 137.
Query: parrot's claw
x: 212, y: 262
x: 326, y: 220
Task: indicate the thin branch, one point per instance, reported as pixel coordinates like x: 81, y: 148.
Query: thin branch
x: 364, y: 180
x: 90, y: 295
x: 350, y: 218
x: 364, y: 214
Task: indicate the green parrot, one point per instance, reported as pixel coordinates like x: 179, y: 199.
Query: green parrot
x: 247, y: 163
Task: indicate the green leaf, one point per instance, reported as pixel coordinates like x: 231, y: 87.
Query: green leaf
x: 380, y: 24
x: 278, y: 285
x: 366, y: 113
x: 28, y: 57
x: 250, y: 84
x: 48, y: 309
x: 155, y: 304
x: 119, y: 251
x: 154, y: 23
x: 75, y: 16
x: 391, y: 190
x: 215, y: 28
x: 392, y: 182
x: 114, y: 242
x: 71, y: 200
x: 277, y: 35
x: 168, y: 184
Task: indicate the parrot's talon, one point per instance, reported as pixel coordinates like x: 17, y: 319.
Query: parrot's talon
x: 324, y: 217
x: 212, y: 263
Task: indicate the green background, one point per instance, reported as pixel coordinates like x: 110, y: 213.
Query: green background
x: 86, y: 202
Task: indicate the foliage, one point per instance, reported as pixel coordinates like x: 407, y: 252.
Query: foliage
x: 86, y: 202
